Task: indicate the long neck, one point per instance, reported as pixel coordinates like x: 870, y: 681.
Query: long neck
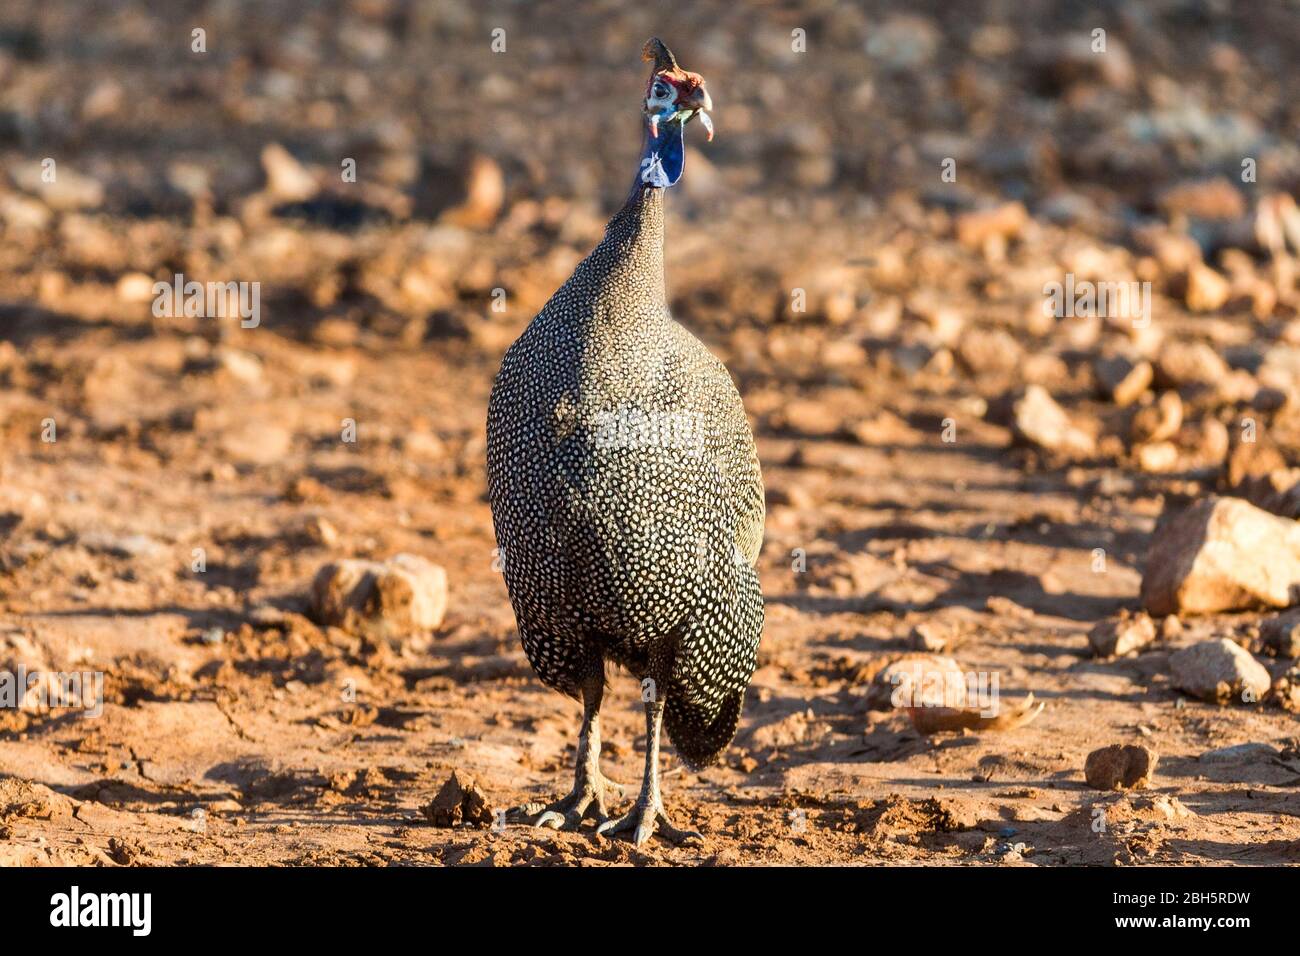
x: 637, y: 234
x: 630, y: 259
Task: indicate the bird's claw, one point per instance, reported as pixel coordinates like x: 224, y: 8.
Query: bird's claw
x: 644, y: 820
x: 569, y: 811
x: 571, y: 819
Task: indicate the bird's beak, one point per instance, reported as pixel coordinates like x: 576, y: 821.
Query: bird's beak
x: 699, y: 99
x: 699, y: 102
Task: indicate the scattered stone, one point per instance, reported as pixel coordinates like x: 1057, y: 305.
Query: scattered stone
x: 790, y: 496
x: 1280, y: 368
x: 885, y: 428
x: 319, y: 531
x: 910, y: 359
x: 1258, y: 472
x: 918, y: 678
x: 999, y: 224
x: 393, y: 598
x: 1281, y: 634
x: 424, y: 445
x: 1208, y: 440
x: 1221, y: 554
x: 1170, y: 628
x: 120, y: 545
x: 1189, y: 363
x: 326, y: 369
x: 807, y: 417
x: 23, y: 214
x: 134, y: 287
x: 1065, y: 60
x: 1171, y: 808
x: 1123, y: 380
x: 1286, y: 690
x: 1219, y: 671
x: 1158, y: 421
x: 256, y: 442
x: 460, y: 800
x: 1157, y: 458
x: 1120, y: 767
x: 932, y: 720
x: 904, y: 42
x: 1247, y: 751
x: 306, y: 489
x: 68, y: 191
x: 1037, y: 420
x: 1203, y: 199
x: 1206, y: 289
x: 244, y: 367
x: 929, y: 636
x: 1238, y: 387
x: 990, y: 350
x: 1174, y: 252
x: 266, y: 616
x: 485, y: 192
x: 287, y: 180
x: 1003, y: 605
x: 940, y: 363
x: 1122, y: 635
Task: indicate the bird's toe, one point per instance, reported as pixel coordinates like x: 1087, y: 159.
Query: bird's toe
x: 567, y: 813
x: 551, y: 819
x: 677, y: 837
x: 644, y: 821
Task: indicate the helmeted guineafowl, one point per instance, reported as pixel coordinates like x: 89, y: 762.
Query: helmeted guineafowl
x: 626, y: 493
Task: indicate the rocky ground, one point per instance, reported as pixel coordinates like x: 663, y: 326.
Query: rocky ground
x: 969, y: 474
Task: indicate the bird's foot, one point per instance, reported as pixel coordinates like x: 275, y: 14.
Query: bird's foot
x: 645, y: 818
x: 584, y: 800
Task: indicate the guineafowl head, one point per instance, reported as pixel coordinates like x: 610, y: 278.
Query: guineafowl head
x: 673, y: 98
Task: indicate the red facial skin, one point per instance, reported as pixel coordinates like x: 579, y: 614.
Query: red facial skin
x: 684, y: 83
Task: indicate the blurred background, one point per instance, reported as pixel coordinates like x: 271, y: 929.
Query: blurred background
x: 866, y: 243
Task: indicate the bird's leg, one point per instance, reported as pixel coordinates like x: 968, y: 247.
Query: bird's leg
x: 647, y: 815
x: 587, y: 798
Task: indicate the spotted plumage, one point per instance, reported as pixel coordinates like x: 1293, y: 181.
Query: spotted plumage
x: 628, y: 504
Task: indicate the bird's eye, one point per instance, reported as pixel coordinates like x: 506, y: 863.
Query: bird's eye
x: 660, y: 91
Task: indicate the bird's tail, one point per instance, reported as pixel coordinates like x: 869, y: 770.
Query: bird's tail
x: 700, y: 734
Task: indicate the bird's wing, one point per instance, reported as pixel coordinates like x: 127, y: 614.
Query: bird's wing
x: 737, y: 456
x: 747, y: 480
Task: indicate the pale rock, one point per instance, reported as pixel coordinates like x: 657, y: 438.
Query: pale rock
x: 1122, y: 635
x: 1206, y: 289
x: 400, y: 596
x: 1158, y: 421
x: 1122, y: 379
x: 1039, y: 421
x: 1219, y: 671
x: 1222, y: 554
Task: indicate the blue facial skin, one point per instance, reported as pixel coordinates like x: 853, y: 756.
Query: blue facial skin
x: 666, y: 153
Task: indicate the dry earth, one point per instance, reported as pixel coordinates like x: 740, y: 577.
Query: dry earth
x: 237, y: 731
